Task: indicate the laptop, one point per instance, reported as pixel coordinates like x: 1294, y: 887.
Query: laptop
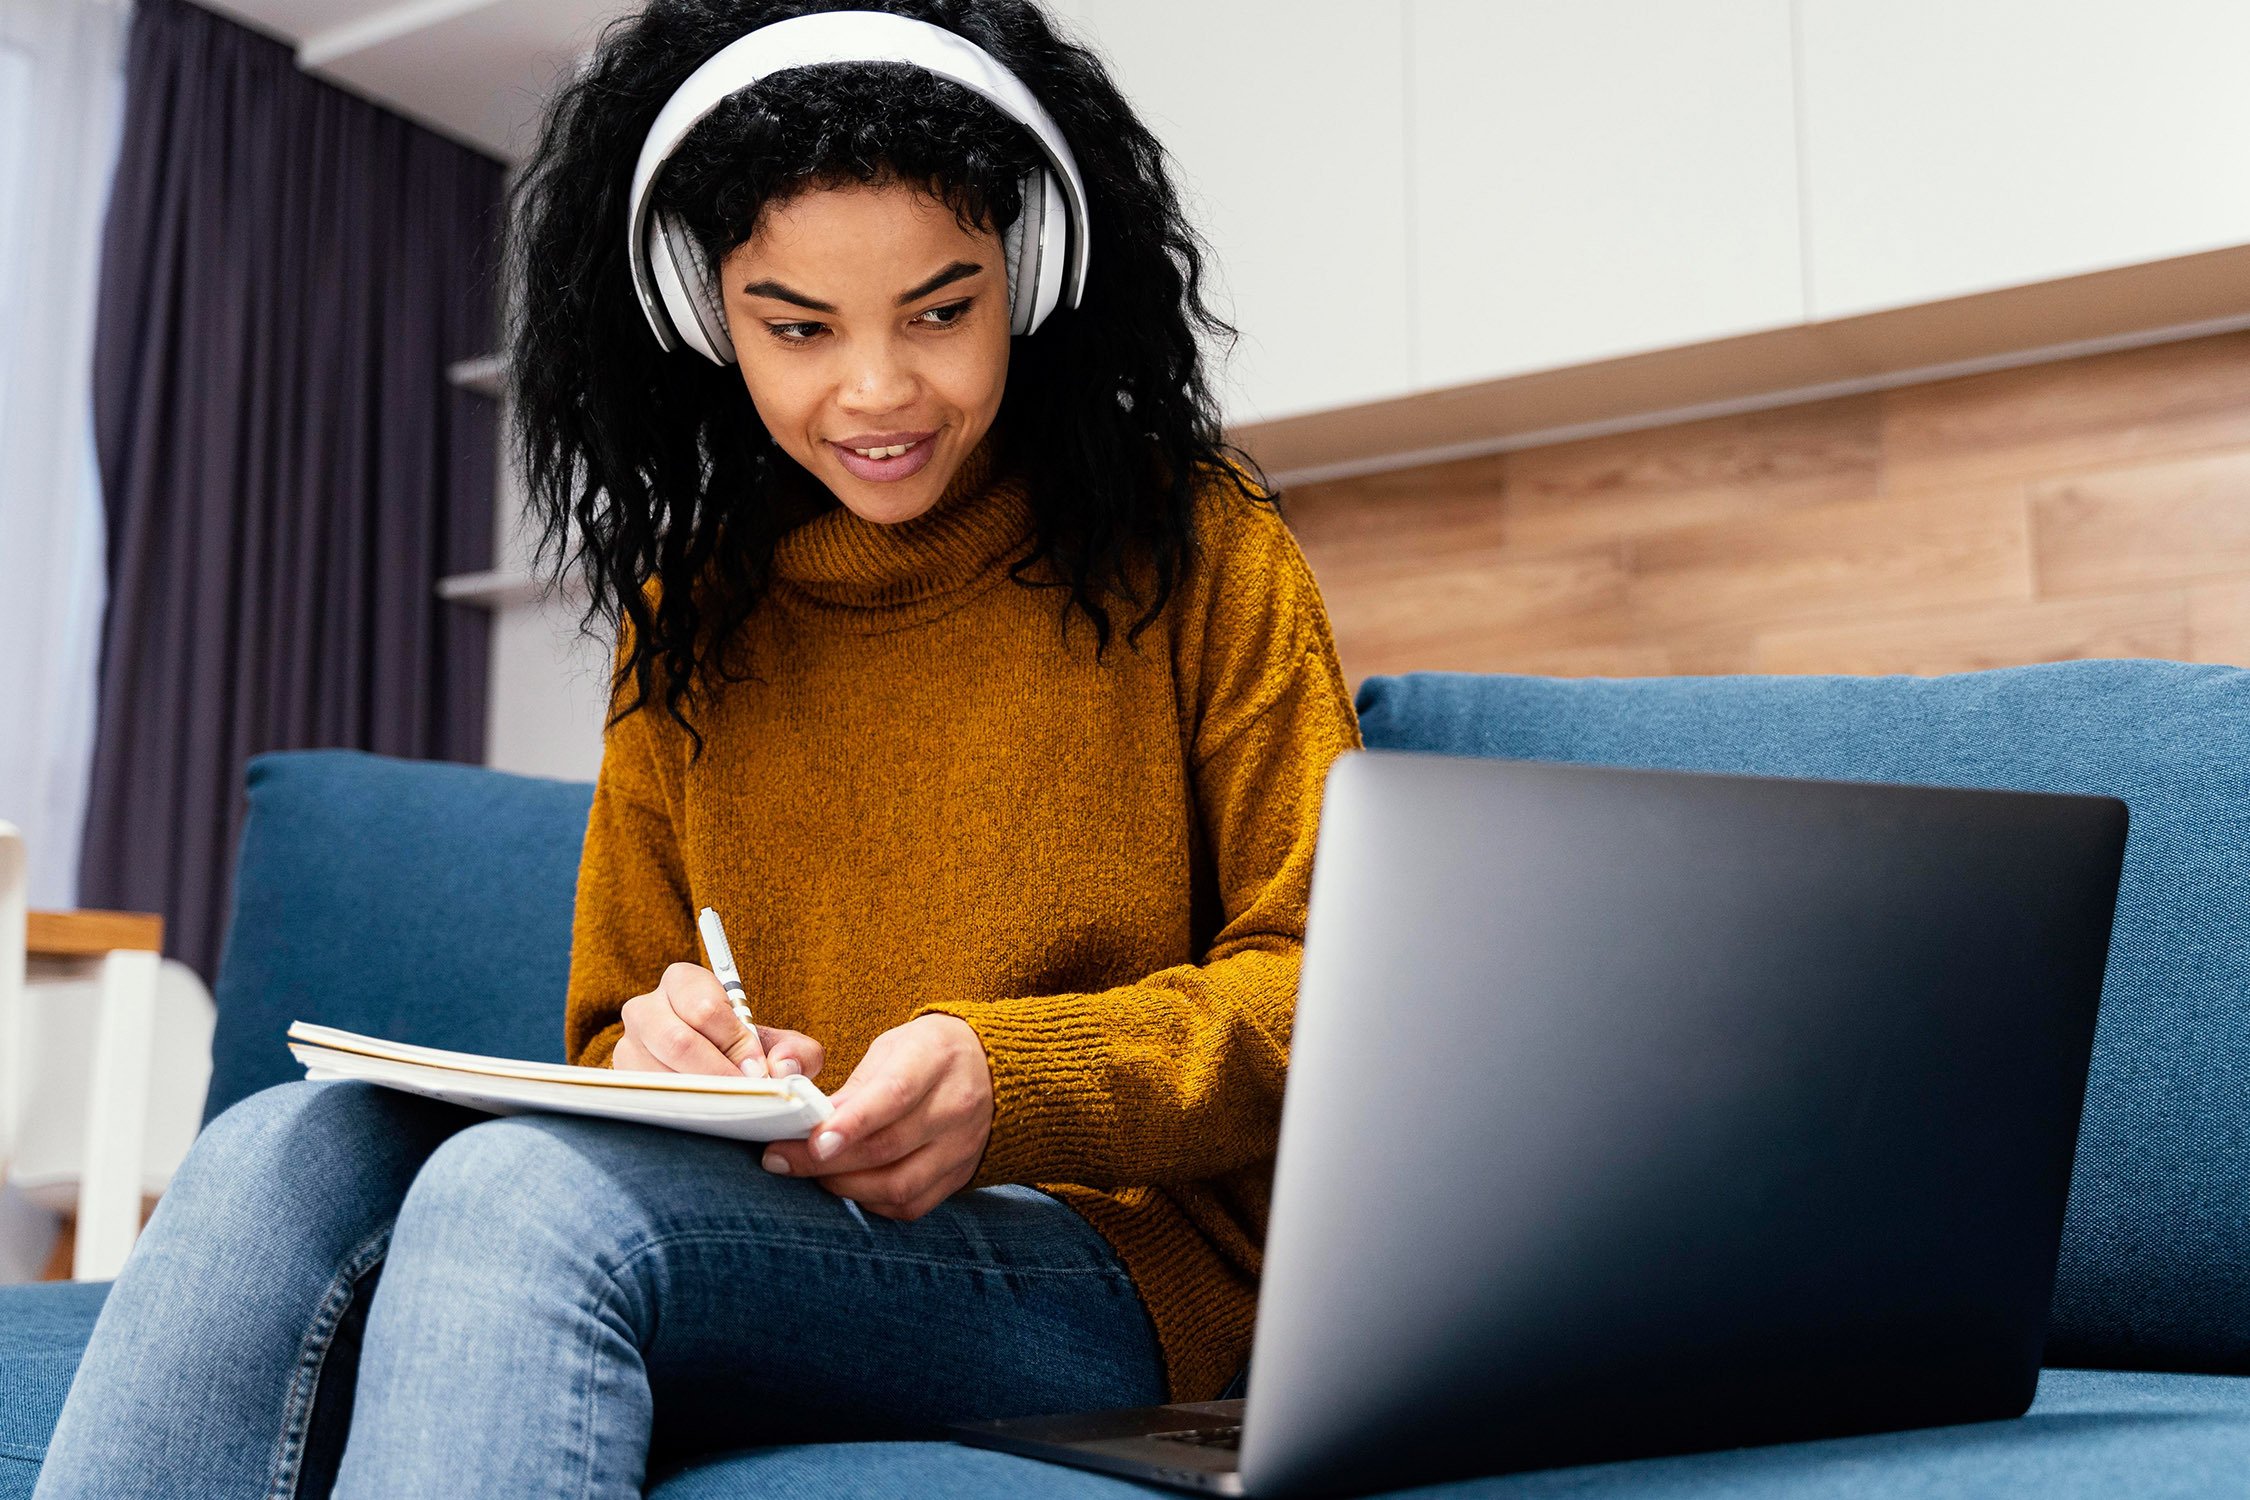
x: 1642, y: 1112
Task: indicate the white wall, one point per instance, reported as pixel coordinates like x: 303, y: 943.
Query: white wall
x: 543, y: 713
x: 547, y: 685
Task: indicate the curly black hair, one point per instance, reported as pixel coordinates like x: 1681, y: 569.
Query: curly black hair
x: 644, y: 466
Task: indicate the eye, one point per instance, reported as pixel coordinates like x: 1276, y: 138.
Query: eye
x: 805, y: 333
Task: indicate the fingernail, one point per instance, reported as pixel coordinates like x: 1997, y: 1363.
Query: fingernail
x: 754, y: 1067
x: 783, y: 1066
x: 775, y: 1162
x: 827, y: 1144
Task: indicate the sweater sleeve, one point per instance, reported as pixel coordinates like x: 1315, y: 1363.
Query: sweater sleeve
x: 632, y: 914
x: 1178, y: 1077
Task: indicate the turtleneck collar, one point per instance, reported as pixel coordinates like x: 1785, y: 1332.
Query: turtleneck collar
x: 843, y: 564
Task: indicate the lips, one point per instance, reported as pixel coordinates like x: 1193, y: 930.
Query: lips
x: 885, y: 439
x: 885, y: 470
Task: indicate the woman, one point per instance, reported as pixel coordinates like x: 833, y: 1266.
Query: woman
x: 989, y: 704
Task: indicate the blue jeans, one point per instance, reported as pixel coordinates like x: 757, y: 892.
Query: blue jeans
x: 350, y: 1285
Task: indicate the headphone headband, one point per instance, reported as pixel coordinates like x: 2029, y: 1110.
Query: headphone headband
x: 846, y: 36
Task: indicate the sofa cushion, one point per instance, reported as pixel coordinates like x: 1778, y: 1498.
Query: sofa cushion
x: 2091, y: 1435
x: 43, y: 1330
x: 416, y: 900
x: 2155, y: 1269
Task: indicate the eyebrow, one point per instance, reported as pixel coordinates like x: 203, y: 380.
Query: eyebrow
x: 946, y: 277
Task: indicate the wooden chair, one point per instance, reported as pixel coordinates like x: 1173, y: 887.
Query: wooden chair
x: 120, y: 952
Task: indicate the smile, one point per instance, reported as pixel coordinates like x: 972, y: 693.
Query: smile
x: 890, y: 462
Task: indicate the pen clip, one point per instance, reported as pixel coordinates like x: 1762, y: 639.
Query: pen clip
x: 715, y: 942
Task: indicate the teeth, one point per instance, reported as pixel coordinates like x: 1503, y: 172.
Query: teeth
x: 891, y: 452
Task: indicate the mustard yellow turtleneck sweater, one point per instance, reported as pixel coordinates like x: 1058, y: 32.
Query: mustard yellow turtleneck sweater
x: 931, y: 799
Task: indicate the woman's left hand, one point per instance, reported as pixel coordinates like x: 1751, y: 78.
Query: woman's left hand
x: 910, y: 1124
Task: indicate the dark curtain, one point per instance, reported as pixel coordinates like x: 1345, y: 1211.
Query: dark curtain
x: 286, y: 272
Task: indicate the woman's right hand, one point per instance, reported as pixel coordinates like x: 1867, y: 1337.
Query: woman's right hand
x: 685, y: 1025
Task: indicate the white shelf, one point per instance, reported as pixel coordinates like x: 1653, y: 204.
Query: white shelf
x: 495, y: 588
x: 503, y: 588
x: 482, y: 375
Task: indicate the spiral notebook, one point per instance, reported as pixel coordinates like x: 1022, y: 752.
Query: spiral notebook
x: 743, y: 1109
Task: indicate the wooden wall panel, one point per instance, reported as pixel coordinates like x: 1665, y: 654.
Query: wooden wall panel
x: 2094, y: 507
x: 1971, y: 640
x: 1927, y: 551
x: 2218, y: 617
x: 2123, y: 529
x: 1661, y: 479
x: 2073, y: 415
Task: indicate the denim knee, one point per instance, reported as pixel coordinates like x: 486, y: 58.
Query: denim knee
x: 278, y: 1113
x: 513, y: 1187
x: 301, y: 1160
x: 271, y: 1144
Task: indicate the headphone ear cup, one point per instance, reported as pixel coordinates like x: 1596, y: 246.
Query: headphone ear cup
x: 690, y: 299
x: 1011, y: 246
x: 1054, y: 254
x: 1036, y: 256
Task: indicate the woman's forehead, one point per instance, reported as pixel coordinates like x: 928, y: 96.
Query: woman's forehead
x: 858, y: 236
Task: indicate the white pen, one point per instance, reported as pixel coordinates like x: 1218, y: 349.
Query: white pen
x: 722, y: 962
x: 800, y: 1087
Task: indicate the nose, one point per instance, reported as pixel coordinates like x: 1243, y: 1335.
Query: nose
x: 881, y: 378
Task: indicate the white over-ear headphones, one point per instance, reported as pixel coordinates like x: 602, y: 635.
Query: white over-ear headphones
x: 1045, y: 248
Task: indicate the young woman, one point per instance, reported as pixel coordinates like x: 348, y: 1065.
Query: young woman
x: 986, y: 699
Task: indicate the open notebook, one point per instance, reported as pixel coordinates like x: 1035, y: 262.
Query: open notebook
x: 745, y: 1109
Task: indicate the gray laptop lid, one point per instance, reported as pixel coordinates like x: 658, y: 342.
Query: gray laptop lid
x: 1636, y: 1111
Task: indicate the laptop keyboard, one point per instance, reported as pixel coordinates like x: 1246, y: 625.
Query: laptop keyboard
x: 1227, y: 1438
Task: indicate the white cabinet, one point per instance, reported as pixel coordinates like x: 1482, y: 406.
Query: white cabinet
x: 1958, y: 146
x: 1405, y: 194
x: 1286, y: 124
x: 1411, y: 196
x: 1598, y: 177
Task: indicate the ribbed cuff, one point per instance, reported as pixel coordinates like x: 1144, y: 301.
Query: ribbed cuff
x: 603, y: 1043
x: 1052, y: 1119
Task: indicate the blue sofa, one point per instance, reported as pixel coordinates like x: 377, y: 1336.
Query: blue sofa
x: 432, y: 902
